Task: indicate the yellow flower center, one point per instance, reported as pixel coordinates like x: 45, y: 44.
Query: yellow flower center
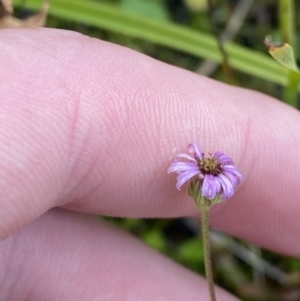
x: 210, y: 166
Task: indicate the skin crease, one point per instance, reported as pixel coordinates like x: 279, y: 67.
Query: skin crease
x: 92, y: 126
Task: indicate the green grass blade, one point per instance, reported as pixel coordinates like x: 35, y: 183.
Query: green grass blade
x: 176, y: 37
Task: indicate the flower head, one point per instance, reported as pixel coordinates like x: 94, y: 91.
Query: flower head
x: 215, y: 176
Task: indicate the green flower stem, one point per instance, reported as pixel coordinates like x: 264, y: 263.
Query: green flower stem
x: 206, y: 245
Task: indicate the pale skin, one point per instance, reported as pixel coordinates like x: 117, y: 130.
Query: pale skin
x: 91, y: 126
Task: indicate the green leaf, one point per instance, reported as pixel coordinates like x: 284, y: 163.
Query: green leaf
x: 177, y: 37
x: 153, y: 9
x: 283, y: 53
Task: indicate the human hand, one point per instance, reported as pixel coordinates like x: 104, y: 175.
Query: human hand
x: 90, y: 126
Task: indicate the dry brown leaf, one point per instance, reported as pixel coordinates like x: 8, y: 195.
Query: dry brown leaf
x: 8, y: 21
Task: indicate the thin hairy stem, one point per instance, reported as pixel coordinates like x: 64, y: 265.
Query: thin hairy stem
x: 206, y: 246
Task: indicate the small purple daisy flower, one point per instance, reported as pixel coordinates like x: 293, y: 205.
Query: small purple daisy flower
x: 217, y: 174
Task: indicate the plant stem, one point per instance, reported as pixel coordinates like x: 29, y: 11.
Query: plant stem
x: 225, y: 63
x: 287, y: 22
x: 287, y: 30
x: 206, y: 245
x: 290, y: 93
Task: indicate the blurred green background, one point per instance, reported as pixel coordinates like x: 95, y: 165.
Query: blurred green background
x: 179, y: 32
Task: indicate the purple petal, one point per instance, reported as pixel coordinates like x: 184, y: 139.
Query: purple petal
x: 222, y: 158
x: 231, y: 178
x: 211, y: 187
x: 184, y: 176
x: 231, y: 171
x: 195, y: 149
x: 186, y: 156
x: 177, y: 166
x: 227, y: 187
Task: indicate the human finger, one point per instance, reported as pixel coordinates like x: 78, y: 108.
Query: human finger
x: 92, y: 126
x: 68, y: 256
